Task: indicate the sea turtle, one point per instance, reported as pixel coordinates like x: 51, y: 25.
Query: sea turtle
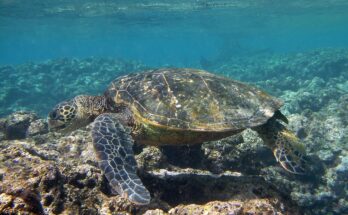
x: 173, y: 106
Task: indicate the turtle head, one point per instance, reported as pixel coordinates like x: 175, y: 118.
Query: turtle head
x: 71, y: 114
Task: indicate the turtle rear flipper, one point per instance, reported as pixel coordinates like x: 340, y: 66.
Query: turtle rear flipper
x: 287, y: 149
x: 290, y: 153
x: 113, y: 146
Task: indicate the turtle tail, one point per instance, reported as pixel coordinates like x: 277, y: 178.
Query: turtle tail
x: 286, y: 147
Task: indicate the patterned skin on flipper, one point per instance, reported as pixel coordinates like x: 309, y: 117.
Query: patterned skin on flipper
x: 113, y: 146
x: 287, y: 149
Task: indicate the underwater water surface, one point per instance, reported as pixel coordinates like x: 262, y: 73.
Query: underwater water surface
x: 158, y: 34
x: 295, y: 50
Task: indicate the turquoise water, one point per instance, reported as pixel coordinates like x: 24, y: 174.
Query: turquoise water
x: 158, y: 33
x: 200, y: 34
x: 295, y: 50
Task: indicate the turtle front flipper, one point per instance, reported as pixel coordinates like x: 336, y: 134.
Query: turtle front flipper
x: 287, y: 149
x: 113, y: 146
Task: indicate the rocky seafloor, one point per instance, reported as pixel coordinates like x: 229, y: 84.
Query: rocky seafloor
x: 43, y: 172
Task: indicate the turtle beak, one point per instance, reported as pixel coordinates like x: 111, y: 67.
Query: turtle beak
x: 55, y: 125
x: 65, y: 127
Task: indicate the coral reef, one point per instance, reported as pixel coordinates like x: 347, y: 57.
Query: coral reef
x: 37, y: 87
x: 59, y: 176
x: 51, y: 173
x: 20, y: 125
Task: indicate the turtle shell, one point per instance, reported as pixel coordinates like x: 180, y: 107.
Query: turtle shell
x: 191, y: 99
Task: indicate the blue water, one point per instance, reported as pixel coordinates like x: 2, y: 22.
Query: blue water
x: 160, y: 36
x: 296, y: 50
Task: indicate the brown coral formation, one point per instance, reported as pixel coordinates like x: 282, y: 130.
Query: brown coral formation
x: 55, y: 174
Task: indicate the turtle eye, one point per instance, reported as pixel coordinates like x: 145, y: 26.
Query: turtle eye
x: 53, y: 115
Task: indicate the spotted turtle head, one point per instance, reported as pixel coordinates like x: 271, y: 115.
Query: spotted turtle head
x: 64, y: 115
